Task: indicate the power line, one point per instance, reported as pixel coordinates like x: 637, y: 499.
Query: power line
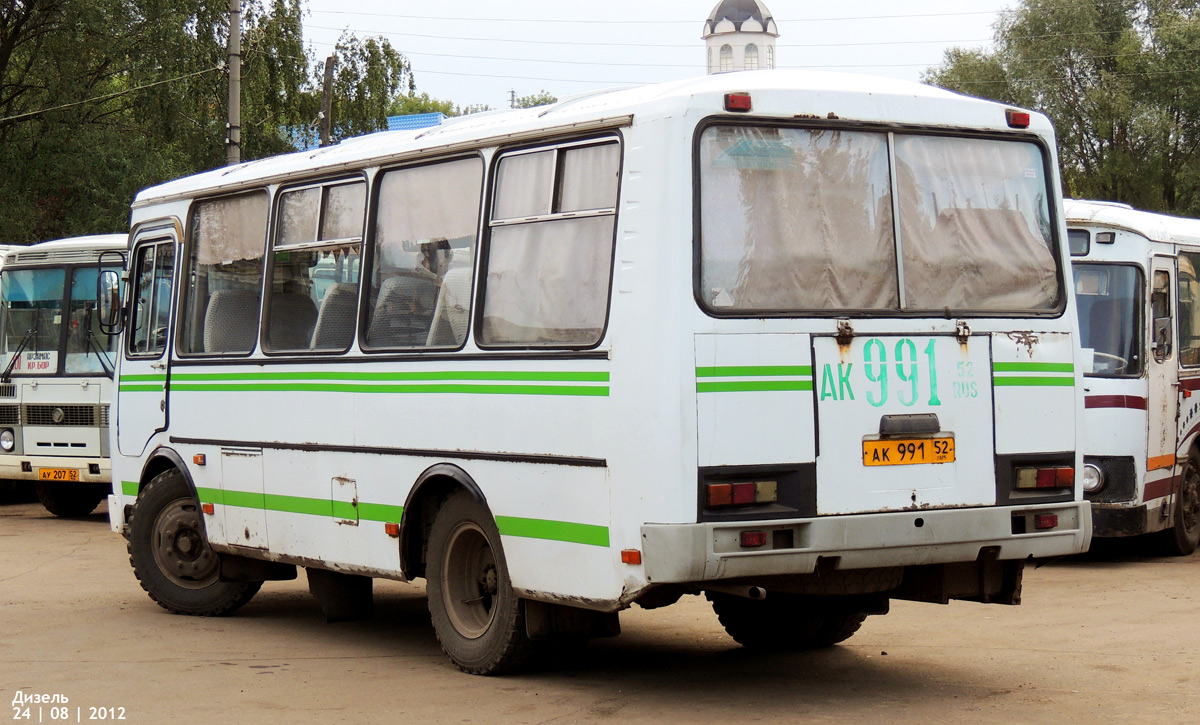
x: 575, y: 21
x: 107, y: 96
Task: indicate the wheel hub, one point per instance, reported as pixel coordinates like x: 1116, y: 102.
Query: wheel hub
x: 470, y: 581
x: 179, y: 547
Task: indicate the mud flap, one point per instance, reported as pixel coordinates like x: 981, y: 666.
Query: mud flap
x: 544, y: 621
x: 343, y: 597
x: 987, y: 580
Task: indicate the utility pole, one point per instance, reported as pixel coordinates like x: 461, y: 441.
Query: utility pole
x: 233, y: 139
x: 327, y: 102
x: 512, y: 98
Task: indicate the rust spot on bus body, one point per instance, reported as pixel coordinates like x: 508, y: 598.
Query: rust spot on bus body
x: 1028, y: 340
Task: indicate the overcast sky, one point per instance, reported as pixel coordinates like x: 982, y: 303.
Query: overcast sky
x: 476, y: 51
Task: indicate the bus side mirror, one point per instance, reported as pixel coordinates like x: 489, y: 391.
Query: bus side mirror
x: 108, y: 301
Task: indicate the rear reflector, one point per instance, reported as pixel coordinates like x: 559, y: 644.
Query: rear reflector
x: 392, y: 529
x: 631, y: 556
x: 1016, y: 119
x: 737, y: 102
x: 1058, y: 477
x: 1045, y: 521
x: 208, y: 508
x: 752, y: 539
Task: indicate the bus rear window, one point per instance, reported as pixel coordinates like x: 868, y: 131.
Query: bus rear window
x: 804, y: 220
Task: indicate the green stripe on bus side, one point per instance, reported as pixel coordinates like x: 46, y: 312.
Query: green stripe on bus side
x: 477, y: 375
x: 742, y: 386
x: 467, y: 388
x: 566, y: 531
x: 754, y: 371
x: 143, y: 388
x: 153, y: 378
x: 1032, y: 382
x: 1033, y: 367
x: 129, y: 488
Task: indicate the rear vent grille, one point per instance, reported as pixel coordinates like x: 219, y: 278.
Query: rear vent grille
x: 8, y: 390
x: 104, y: 415
x: 77, y: 415
x: 10, y: 415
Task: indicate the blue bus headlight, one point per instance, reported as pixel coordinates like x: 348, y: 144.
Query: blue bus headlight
x: 7, y: 440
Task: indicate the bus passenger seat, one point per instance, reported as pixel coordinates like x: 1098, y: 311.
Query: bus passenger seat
x: 335, y: 323
x: 404, y: 311
x: 452, y: 314
x: 231, y: 321
x: 292, y: 318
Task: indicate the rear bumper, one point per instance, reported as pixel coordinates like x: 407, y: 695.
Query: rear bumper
x: 10, y: 467
x: 1118, y: 521
x: 683, y: 553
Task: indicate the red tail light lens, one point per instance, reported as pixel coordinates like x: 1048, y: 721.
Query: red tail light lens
x: 1016, y: 119
x: 739, y: 102
x: 1042, y: 522
x: 1058, y: 477
x: 742, y: 493
x: 753, y: 539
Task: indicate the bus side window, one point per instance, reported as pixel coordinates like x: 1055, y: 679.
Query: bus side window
x: 1189, y: 313
x: 425, y: 231
x: 549, y: 259
x: 315, y: 264
x: 1160, y: 310
x: 223, y: 283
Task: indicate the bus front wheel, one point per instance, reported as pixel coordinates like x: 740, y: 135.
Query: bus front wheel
x: 1184, y: 534
x: 171, y: 556
x: 477, y: 617
x: 784, y: 621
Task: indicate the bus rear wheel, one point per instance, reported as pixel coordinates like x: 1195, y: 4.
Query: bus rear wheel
x: 171, y: 556
x: 477, y: 617
x: 1184, y: 535
x: 785, y: 622
x: 71, y: 499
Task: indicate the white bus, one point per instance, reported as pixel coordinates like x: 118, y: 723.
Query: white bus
x: 57, y: 371
x: 1139, y: 319
x: 801, y: 342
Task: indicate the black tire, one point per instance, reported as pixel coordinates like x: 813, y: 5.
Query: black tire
x: 171, y: 556
x: 477, y: 617
x: 71, y: 499
x: 784, y: 622
x: 1183, y: 536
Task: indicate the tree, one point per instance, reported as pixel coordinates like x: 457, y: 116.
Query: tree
x: 541, y: 98
x: 100, y: 98
x: 412, y: 103
x: 1115, y: 77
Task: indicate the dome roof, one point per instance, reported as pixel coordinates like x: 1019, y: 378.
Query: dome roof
x: 732, y: 16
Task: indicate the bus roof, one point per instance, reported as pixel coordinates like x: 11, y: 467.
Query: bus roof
x: 1155, y: 227
x: 66, y: 250
x: 775, y: 93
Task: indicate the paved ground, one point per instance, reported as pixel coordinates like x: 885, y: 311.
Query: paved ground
x: 1114, y: 636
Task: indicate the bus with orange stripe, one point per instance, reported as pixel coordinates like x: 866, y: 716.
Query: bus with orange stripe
x: 801, y: 343
x: 1139, y: 317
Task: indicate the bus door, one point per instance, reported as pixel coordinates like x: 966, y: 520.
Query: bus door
x: 903, y: 422
x: 1166, y: 395
x: 145, y: 372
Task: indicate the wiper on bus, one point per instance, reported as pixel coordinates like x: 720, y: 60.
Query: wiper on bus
x: 7, y: 376
x: 106, y: 364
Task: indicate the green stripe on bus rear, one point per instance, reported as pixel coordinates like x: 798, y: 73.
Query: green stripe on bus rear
x: 1032, y: 382
x: 757, y: 371
x: 1033, y: 367
x: 741, y: 386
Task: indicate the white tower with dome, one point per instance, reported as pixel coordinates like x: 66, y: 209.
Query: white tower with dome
x: 740, y: 35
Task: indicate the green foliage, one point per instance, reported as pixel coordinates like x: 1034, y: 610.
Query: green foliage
x: 412, y: 103
x: 541, y: 98
x: 1117, y: 78
x: 101, y: 98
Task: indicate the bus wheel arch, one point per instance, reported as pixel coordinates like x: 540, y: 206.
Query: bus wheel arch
x: 160, y: 461
x: 433, y: 487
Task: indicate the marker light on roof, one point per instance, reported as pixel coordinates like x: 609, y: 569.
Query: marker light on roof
x: 738, y: 102
x: 1017, y: 119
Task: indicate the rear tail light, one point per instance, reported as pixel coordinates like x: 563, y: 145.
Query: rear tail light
x: 744, y: 493
x: 1034, y: 478
x: 738, y: 102
x: 753, y: 539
